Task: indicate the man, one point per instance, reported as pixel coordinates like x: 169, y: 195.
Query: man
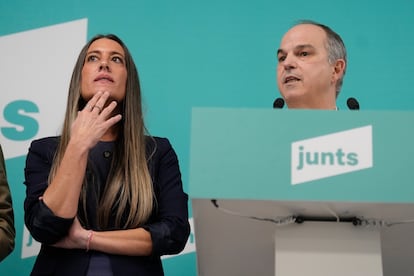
x: 311, y: 66
x: 7, y: 231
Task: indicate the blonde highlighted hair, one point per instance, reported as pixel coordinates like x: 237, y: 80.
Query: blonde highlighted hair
x: 128, y: 193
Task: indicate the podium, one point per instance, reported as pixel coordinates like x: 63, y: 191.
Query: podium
x: 263, y: 166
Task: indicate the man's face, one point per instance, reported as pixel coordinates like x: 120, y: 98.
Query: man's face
x: 304, y: 74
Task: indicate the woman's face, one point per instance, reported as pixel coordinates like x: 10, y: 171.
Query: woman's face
x: 104, y: 70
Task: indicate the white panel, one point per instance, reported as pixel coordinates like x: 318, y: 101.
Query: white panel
x: 326, y: 249
x: 36, y: 66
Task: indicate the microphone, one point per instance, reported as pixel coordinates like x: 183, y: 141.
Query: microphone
x: 352, y: 104
x: 278, y: 103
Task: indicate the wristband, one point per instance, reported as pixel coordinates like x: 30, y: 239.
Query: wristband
x: 89, y: 239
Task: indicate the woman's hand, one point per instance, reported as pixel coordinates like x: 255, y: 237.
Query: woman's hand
x: 94, y: 120
x: 76, y: 238
x: 91, y: 124
x: 131, y: 242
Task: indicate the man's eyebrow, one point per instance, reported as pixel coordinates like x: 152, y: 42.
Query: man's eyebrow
x: 297, y: 47
x: 303, y: 46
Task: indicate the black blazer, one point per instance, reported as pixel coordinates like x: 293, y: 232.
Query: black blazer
x: 168, y: 225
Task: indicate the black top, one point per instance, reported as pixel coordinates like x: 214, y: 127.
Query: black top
x: 168, y: 224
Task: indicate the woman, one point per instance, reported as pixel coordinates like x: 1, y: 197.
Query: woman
x: 104, y: 198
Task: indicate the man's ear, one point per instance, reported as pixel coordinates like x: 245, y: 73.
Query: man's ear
x: 339, y: 69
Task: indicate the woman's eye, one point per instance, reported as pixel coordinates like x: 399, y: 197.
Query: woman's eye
x: 118, y: 60
x: 92, y: 58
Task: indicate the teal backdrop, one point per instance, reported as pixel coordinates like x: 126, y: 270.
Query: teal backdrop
x: 214, y: 54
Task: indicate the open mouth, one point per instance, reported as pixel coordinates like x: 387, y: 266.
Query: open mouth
x: 291, y: 79
x: 104, y: 78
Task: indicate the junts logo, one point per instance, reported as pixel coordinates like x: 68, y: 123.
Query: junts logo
x: 332, y: 154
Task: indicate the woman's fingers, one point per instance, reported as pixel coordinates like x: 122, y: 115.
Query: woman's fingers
x: 98, y: 103
x: 92, y: 102
x: 95, y: 119
x: 106, y: 116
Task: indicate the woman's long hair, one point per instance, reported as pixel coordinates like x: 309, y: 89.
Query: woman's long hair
x: 128, y: 192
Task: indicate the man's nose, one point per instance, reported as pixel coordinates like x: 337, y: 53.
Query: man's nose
x: 289, y: 62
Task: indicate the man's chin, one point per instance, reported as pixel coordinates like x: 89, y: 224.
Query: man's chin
x: 293, y: 94
x: 295, y: 99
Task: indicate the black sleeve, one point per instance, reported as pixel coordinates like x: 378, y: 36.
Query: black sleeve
x: 169, y: 227
x: 43, y: 225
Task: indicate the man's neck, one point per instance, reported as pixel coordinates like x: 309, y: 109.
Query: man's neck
x: 327, y: 103
x: 331, y: 106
